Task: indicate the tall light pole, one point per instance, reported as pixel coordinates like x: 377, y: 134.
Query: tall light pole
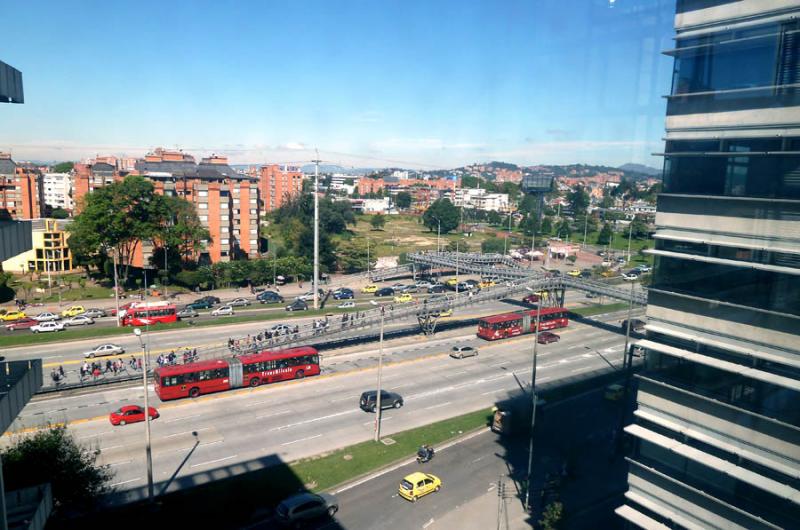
x: 630, y: 233
x: 116, y: 286
x: 585, y: 226
x: 316, y: 231
x: 147, y: 449
x: 368, y: 278
x: 378, y: 410
x: 505, y: 241
x: 533, y: 399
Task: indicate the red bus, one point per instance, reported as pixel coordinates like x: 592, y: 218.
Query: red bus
x: 149, y: 314
x: 191, y: 380
x: 521, y: 322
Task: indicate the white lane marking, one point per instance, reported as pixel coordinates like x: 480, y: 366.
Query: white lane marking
x: 187, y: 432
x: 344, y: 398
x: 492, y: 392
x: 270, y: 415
x: 214, y: 461
x: 426, y: 525
x: 500, y: 363
x: 209, y: 443
x: 120, y: 463
x: 91, y: 435
x: 437, y: 406
x: 257, y: 403
x: 126, y: 482
x: 477, y: 459
x: 181, y: 418
x: 302, y: 440
x: 312, y: 420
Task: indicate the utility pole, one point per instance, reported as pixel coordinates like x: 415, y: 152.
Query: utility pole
x: 585, y: 226
x: 378, y: 409
x: 316, y: 231
x: 533, y: 401
x: 147, y: 448
x: 368, y: 278
x: 505, y: 241
x: 630, y: 233
x: 116, y: 286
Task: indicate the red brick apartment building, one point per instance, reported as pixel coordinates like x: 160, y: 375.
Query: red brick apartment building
x: 21, y: 189
x: 279, y: 183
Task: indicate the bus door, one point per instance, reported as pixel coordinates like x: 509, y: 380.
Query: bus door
x: 526, y: 323
x: 235, y: 372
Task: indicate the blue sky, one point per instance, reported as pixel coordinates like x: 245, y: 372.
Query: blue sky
x: 412, y: 83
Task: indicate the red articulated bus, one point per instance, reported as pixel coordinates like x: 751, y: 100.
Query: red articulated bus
x: 521, y: 322
x: 149, y: 313
x: 191, y: 380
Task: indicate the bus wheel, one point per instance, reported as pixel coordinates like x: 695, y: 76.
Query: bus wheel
x: 300, y: 374
x: 254, y: 382
x: 194, y: 392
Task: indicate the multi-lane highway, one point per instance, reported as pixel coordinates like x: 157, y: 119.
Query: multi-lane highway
x: 195, y: 441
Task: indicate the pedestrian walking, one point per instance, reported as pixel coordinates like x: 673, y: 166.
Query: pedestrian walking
x: 61, y: 370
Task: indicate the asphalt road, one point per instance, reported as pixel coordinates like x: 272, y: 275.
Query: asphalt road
x: 197, y: 441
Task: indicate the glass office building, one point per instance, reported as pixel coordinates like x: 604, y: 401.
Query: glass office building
x: 717, y: 422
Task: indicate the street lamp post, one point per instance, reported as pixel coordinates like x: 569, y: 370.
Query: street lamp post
x: 316, y: 233
x: 378, y: 410
x: 148, y: 451
x: 368, y: 277
x: 585, y: 226
x: 116, y: 286
x: 533, y: 399
x: 630, y: 233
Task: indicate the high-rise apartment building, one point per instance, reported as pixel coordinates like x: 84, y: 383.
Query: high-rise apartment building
x: 279, y: 183
x: 58, y: 190
x: 20, y: 189
x: 716, y: 429
x: 227, y: 202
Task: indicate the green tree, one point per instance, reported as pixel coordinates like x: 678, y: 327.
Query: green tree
x: 564, y: 229
x: 59, y: 213
x: 639, y: 228
x: 441, y: 211
x: 605, y: 235
x: 494, y: 218
x: 403, y: 200
x: 377, y: 221
x: 457, y: 245
x: 529, y: 203
x: 547, y: 225
x: 53, y: 455
x: 352, y: 255
x: 552, y: 516
x: 578, y: 200
x: 493, y: 245
x: 63, y: 167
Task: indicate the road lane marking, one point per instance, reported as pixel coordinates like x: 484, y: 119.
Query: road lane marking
x: 187, y: 432
x: 437, y: 406
x: 499, y: 364
x: 302, y: 440
x: 344, y: 398
x: 211, y: 443
x: 272, y: 414
x: 126, y: 482
x: 92, y: 435
x: 312, y: 420
x: 426, y: 525
x: 215, y: 461
x: 120, y: 463
x: 383, y: 418
x: 173, y: 420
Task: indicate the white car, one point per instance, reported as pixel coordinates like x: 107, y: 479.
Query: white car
x: 222, y: 311
x: 630, y: 277
x: 239, y: 302
x: 46, y: 327
x: 423, y: 284
x: 80, y: 320
x: 47, y: 317
x: 104, y: 349
x: 644, y: 268
x: 346, y: 305
x: 280, y: 329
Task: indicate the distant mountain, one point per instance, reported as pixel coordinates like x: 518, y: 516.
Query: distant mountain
x: 641, y: 168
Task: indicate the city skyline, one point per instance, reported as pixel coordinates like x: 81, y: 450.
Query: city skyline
x: 412, y: 86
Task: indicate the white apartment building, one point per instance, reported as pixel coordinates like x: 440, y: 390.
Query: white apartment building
x: 497, y: 202
x: 58, y: 190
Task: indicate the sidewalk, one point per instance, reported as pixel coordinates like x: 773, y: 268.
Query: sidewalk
x: 483, y: 512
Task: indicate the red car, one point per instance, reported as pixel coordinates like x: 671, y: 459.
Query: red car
x: 23, y: 323
x: 545, y: 337
x: 531, y: 299
x: 130, y: 414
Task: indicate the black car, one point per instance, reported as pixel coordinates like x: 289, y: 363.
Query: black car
x: 636, y: 325
x: 436, y: 289
x: 345, y: 293
x: 586, y: 273
x: 269, y: 297
x: 200, y: 304
x: 210, y: 299
x: 384, y: 291
x: 297, y: 305
x: 389, y: 400
x: 472, y: 283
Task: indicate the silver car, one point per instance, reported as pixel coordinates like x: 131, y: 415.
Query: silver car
x: 80, y: 320
x: 239, y: 302
x: 225, y: 310
x: 94, y: 313
x: 104, y: 349
x: 47, y: 317
x: 459, y: 352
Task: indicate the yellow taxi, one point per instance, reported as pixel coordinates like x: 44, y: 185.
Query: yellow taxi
x: 417, y: 485
x: 451, y: 282
x: 486, y: 283
x: 402, y: 298
x: 444, y: 313
x: 575, y: 273
x: 73, y: 311
x: 10, y: 316
x: 369, y: 289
